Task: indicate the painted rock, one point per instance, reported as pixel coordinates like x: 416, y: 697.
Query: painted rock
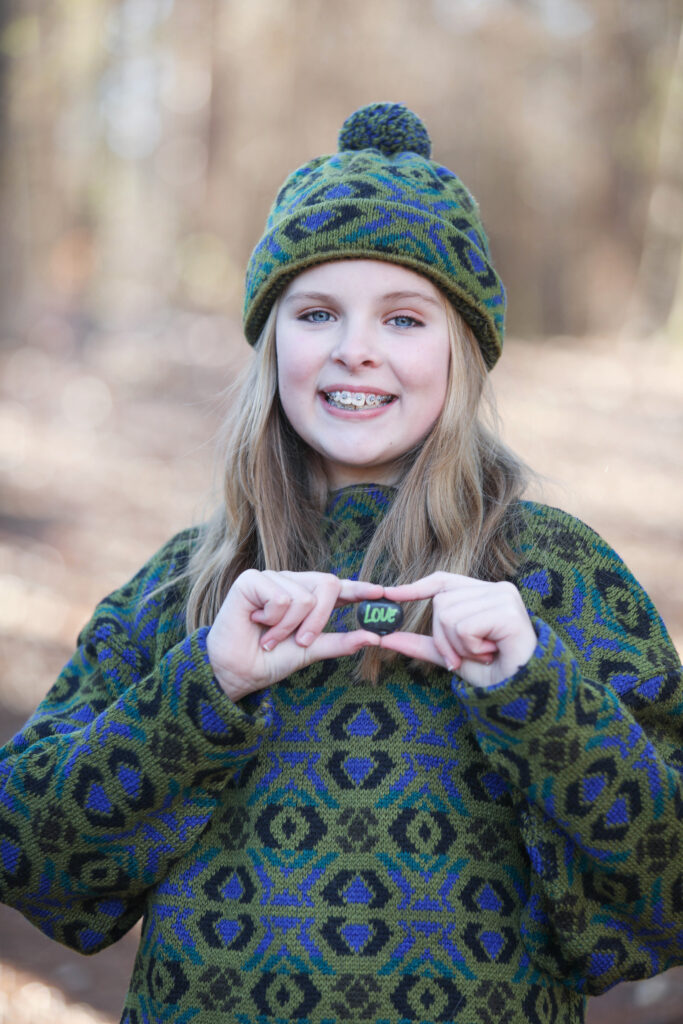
x: 380, y: 616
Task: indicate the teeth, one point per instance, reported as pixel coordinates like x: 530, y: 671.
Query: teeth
x: 356, y: 399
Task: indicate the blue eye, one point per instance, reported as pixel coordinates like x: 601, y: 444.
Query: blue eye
x: 316, y: 316
x: 405, y: 321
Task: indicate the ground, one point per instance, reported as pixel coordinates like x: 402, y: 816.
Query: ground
x: 105, y: 450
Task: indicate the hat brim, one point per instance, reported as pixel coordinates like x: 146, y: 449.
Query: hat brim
x: 380, y: 231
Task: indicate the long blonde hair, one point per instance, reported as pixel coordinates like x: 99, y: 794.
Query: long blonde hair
x: 452, y: 509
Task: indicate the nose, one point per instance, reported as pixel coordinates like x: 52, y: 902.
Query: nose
x: 355, y: 347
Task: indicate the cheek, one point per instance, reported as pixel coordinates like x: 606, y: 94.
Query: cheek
x: 427, y: 376
x: 297, y: 384
x: 294, y: 370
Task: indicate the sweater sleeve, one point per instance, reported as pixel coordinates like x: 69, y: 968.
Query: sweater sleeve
x: 120, y: 768
x: 589, y: 736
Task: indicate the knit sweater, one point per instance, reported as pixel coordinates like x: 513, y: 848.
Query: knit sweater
x: 417, y: 851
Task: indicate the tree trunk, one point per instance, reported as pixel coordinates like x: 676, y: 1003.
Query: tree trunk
x: 657, y: 298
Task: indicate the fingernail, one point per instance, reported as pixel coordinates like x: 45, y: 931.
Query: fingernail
x: 306, y: 639
x: 268, y: 645
x: 451, y: 668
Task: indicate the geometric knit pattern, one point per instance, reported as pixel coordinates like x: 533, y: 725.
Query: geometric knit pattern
x: 374, y: 200
x: 411, y: 852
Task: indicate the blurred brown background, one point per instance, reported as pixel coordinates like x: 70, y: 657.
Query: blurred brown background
x: 141, y: 142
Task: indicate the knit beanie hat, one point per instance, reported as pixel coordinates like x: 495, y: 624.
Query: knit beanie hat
x: 380, y: 197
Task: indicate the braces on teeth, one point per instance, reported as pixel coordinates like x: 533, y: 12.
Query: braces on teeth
x: 356, y: 399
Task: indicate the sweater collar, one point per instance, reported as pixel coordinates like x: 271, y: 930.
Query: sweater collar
x: 352, y: 515
x: 366, y: 501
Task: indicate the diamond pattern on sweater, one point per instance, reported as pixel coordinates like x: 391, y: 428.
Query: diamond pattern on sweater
x: 406, y: 853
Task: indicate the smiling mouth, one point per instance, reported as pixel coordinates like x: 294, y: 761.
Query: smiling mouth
x: 357, y: 399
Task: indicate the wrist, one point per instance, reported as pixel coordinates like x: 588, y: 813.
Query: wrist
x: 232, y: 686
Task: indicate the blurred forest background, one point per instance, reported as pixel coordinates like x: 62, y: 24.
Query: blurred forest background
x: 141, y: 143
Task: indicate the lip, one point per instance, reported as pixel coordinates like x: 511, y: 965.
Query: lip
x: 363, y: 414
x: 355, y: 387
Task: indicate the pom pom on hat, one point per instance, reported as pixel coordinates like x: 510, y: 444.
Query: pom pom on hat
x: 389, y: 127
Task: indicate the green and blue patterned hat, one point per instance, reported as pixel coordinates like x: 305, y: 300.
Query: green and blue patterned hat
x: 380, y: 197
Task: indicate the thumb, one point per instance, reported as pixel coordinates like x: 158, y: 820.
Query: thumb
x: 339, y: 645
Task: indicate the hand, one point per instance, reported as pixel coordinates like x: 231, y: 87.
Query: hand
x: 270, y: 624
x: 479, y: 630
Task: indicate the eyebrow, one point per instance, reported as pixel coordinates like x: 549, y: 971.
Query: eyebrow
x: 388, y: 297
x: 312, y: 296
x: 396, y: 296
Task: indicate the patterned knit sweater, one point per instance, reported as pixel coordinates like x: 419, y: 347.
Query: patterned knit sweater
x: 419, y: 851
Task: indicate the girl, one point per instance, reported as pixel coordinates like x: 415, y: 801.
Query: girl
x: 475, y: 818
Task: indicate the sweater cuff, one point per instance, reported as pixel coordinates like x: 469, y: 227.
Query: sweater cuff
x: 527, y: 703
x: 185, y: 693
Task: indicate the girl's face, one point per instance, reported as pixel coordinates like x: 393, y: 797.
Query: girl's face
x: 363, y: 357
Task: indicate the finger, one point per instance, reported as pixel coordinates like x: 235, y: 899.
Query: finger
x: 442, y: 641
x: 326, y: 595
x: 276, y: 606
x: 424, y: 648
x: 314, y: 596
x: 489, y: 614
x: 415, y: 645
x: 291, y: 603
x: 328, y: 591
x: 298, y: 585
x: 349, y: 590
x: 452, y: 608
x: 472, y: 648
x: 268, y: 598
x: 303, y: 602
x: 431, y: 585
x: 515, y: 639
x: 471, y: 634
x: 449, y: 634
x: 359, y: 590
x: 331, y: 593
x: 339, y: 645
